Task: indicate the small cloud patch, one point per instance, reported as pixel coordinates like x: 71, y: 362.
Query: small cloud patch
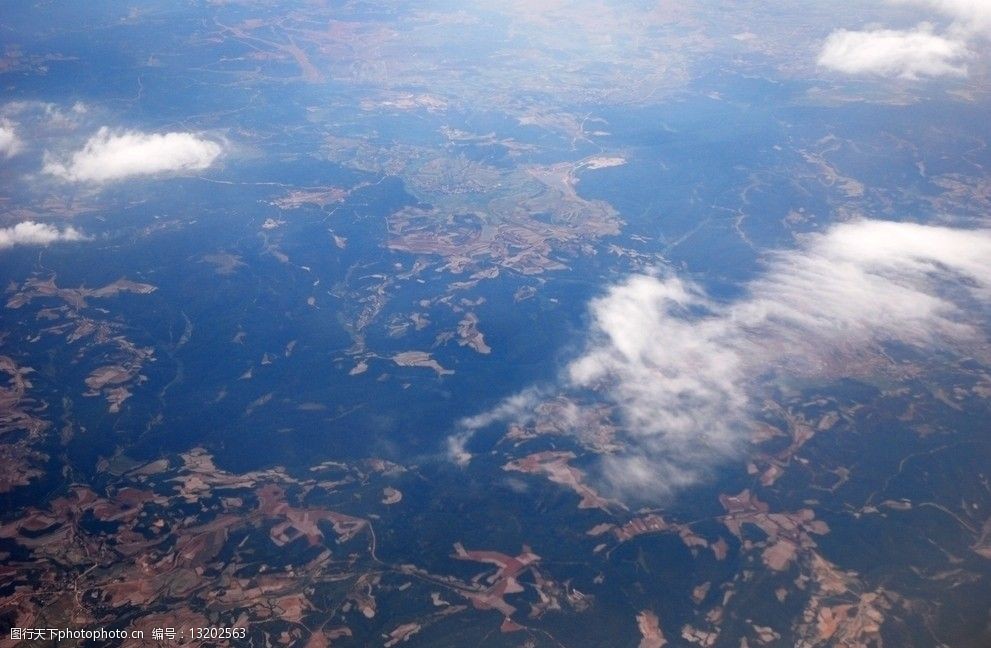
x: 109, y: 156
x: 32, y: 233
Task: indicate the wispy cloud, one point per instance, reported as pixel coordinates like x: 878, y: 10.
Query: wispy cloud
x: 684, y: 371
x: 10, y: 143
x: 109, y: 156
x: 968, y: 17
x: 518, y: 407
x: 32, y: 233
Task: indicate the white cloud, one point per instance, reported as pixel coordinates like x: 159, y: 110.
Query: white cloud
x: 109, y: 156
x: 41, y: 117
x: 32, y: 233
x: 518, y: 407
x: 658, y: 350
x: 914, y: 53
x: 10, y: 143
x: 685, y: 371
x: 968, y: 16
x: 886, y: 52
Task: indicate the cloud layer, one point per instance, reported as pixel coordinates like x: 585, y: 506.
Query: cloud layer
x: 684, y: 371
x: 109, y: 156
x: 32, y: 233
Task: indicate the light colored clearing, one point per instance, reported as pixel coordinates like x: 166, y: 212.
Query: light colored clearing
x: 471, y: 336
x: 650, y: 630
x: 603, y: 162
x: 420, y: 359
x: 224, y: 263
